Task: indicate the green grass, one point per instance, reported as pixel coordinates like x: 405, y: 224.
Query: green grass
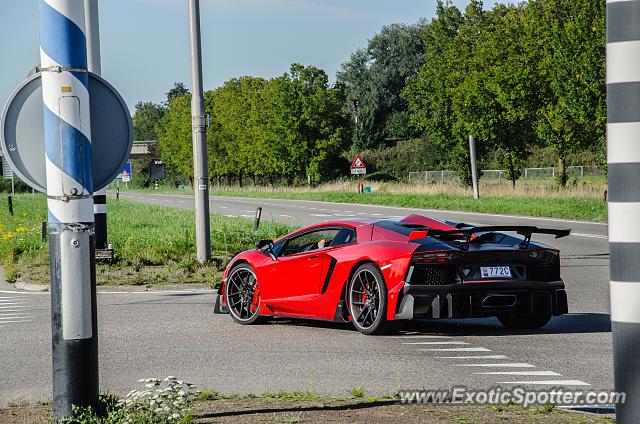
x: 357, y: 392
x: 587, y: 209
x: 153, y: 244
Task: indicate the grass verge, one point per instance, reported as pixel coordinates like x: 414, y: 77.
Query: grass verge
x: 293, y: 408
x: 584, y: 209
x: 153, y: 244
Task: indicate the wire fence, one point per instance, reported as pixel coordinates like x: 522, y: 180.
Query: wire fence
x: 500, y: 174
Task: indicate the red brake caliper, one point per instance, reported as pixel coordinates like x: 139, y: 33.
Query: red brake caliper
x: 255, y: 299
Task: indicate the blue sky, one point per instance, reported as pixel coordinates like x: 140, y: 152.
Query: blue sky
x: 145, y: 44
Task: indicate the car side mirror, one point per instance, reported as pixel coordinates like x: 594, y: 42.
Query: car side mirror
x: 267, y: 247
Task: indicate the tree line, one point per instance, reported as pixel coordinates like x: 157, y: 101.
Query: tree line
x: 517, y: 77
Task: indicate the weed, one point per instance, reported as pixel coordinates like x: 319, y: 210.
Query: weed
x: 357, y: 392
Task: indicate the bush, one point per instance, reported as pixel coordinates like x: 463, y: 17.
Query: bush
x: 161, y: 402
x: 382, y: 177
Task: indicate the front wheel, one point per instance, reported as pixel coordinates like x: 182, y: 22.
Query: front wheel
x: 367, y: 300
x: 243, y: 295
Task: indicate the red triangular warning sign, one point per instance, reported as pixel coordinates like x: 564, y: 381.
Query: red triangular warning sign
x: 357, y: 163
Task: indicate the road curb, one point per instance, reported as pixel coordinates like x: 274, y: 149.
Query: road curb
x: 31, y: 287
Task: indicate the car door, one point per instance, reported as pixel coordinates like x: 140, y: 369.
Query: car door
x: 295, y: 277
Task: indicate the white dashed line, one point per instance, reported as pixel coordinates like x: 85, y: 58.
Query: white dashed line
x: 590, y: 236
x: 435, y: 343
x: 319, y: 214
x: 421, y: 336
x: 549, y: 383
x: 457, y: 349
x: 503, y: 364
x: 474, y: 357
x: 531, y: 373
x: 286, y: 216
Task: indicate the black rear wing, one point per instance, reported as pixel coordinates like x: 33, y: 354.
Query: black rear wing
x: 523, y: 230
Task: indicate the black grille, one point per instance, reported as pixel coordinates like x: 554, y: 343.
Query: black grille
x: 431, y: 275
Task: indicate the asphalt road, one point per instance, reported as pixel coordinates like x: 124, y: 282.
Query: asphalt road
x: 175, y: 333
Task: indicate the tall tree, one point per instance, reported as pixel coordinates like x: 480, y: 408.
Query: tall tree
x: 145, y: 120
x: 176, y: 91
x: 572, y: 36
x: 374, y: 78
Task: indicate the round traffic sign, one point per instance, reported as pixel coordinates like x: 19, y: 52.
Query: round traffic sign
x: 22, y: 132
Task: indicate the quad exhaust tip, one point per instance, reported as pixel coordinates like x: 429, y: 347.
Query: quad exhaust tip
x: 499, y: 301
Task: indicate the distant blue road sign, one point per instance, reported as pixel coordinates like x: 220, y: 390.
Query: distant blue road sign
x: 125, y: 174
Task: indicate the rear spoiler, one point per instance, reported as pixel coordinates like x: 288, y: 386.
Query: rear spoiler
x: 468, y: 232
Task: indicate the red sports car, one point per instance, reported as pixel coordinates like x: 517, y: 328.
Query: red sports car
x: 375, y: 272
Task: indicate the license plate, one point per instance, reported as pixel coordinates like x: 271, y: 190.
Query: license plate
x: 495, y: 272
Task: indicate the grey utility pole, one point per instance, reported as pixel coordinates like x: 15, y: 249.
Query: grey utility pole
x: 94, y: 65
x: 200, y: 170
x: 474, y: 167
x: 69, y: 170
x: 623, y: 156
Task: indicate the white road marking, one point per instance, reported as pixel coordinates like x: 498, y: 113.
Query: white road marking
x: 435, y: 343
x: 231, y: 216
x: 457, y: 349
x: 474, y: 357
x: 503, y: 364
x: 344, y: 215
x: 222, y: 207
x: 286, y: 216
x: 590, y: 236
x: 10, y: 317
x: 247, y: 216
x: 376, y: 214
x: 549, y: 382
x: 319, y: 214
x: 421, y: 336
x: 9, y: 322
x: 12, y: 307
x: 538, y: 373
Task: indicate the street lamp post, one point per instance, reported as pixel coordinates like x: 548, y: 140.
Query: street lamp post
x: 198, y: 121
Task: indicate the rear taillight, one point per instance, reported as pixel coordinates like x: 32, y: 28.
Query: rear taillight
x: 545, y: 255
x: 433, y: 257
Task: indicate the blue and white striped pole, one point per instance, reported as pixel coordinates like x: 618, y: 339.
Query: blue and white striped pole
x: 63, y: 56
x: 623, y: 155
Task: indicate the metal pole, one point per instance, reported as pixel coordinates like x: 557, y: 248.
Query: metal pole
x: 70, y: 207
x: 474, y: 167
x: 198, y: 121
x: 623, y: 156
x: 94, y: 64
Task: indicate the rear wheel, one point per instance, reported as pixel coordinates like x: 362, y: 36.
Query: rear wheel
x: 528, y: 322
x: 243, y: 295
x: 367, y: 300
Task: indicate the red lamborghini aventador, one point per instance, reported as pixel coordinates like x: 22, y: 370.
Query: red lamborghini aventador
x: 374, y: 272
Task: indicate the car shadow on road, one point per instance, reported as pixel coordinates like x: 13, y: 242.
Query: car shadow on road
x: 564, y: 324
